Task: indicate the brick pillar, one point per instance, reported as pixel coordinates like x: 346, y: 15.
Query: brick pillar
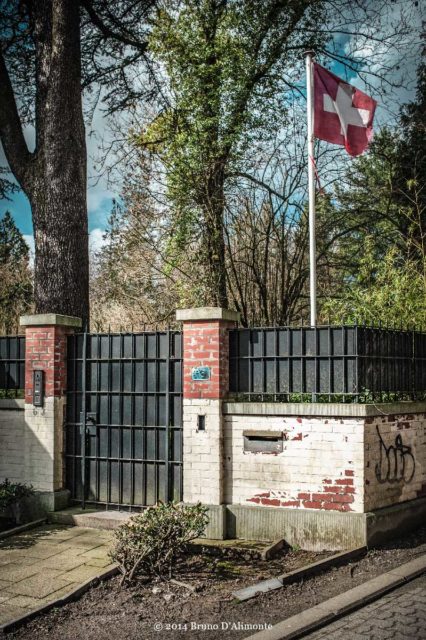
x: 205, y: 346
x: 45, y: 350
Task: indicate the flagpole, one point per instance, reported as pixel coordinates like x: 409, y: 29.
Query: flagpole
x: 311, y: 190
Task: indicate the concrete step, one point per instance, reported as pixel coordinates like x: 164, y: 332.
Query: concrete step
x: 91, y: 518
x: 95, y: 519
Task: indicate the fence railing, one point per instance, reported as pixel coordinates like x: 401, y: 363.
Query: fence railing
x: 327, y: 364
x: 12, y: 366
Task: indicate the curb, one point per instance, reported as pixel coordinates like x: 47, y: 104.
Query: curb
x: 330, y: 610
x: 304, y: 572
x: 22, y: 528
x: 7, y: 627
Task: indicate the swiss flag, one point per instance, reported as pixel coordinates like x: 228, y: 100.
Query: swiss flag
x: 343, y: 114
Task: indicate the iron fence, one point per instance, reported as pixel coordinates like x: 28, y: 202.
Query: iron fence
x: 123, y: 432
x: 12, y: 366
x: 329, y: 363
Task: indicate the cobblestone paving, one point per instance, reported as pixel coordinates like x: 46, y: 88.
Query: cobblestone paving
x: 400, y: 614
x: 46, y: 563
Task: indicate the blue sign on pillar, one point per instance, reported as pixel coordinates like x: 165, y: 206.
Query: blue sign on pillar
x: 200, y: 374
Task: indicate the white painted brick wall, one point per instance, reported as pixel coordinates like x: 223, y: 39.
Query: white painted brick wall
x: 345, y: 464
x: 316, y: 450
x: 202, y: 452
x: 395, y: 459
x: 12, y: 444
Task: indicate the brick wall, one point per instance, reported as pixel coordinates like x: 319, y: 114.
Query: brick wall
x: 395, y: 459
x: 12, y: 430
x: 203, y: 451
x: 46, y: 349
x: 206, y: 344
x: 340, y: 464
x: 320, y: 467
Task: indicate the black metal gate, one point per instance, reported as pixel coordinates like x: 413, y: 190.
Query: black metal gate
x: 123, y: 431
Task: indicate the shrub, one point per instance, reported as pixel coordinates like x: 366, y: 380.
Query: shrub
x: 11, y: 494
x: 149, y: 543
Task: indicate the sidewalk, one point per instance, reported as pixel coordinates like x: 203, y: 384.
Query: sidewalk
x: 400, y: 614
x: 331, y: 610
x: 43, y: 564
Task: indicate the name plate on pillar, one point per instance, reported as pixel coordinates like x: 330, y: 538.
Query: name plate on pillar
x: 200, y: 374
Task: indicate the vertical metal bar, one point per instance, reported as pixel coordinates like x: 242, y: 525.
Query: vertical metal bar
x: 264, y: 381
x: 345, y: 362
x: 109, y: 419
x: 145, y: 414
x: 234, y: 335
x: 316, y: 365
x: 98, y: 428
x: 83, y: 422
x: 276, y: 359
x: 76, y: 432
x: 290, y: 384
x: 7, y: 378
x: 356, y: 390
x: 330, y: 363
x: 250, y: 362
x: 156, y: 425
x: 132, y: 420
x: 121, y: 419
x: 168, y: 431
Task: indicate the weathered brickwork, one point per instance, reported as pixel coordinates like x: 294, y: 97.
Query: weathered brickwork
x: 43, y: 444
x: 12, y: 429
x: 395, y: 459
x: 203, y: 451
x: 206, y: 344
x: 320, y: 467
x: 309, y: 462
x: 32, y: 444
x: 46, y: 350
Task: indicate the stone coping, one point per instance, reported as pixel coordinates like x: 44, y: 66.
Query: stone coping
x: 50, y: 319
x: 320, y: 409
x: 12, y: 404
x: 207, y: 313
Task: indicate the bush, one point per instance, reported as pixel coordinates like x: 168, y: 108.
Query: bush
x: 149, y: 543
x: 11, y: 494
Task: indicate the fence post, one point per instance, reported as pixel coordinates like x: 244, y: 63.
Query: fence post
x: 205, y: 385
x: 45, y: 351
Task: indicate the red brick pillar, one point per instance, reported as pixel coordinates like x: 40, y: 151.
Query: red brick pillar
x: 206, y: 376
x: 45, y: 351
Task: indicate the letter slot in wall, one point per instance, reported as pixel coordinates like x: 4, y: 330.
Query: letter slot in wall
x: 38, y: 388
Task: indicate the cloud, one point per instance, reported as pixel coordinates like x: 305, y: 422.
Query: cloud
x: 96, y: 240
x: 29, y: 239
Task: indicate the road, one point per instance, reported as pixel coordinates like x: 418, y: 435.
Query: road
x: 400, y: 614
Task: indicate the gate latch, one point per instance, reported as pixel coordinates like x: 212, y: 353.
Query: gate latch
x: 88, y: 423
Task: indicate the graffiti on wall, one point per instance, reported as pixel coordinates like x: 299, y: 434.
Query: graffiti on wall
x: 396, y: 461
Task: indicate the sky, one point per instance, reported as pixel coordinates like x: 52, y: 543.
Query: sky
x: 100, y: 195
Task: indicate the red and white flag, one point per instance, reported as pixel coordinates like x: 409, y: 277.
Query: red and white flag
x: 342, y: 114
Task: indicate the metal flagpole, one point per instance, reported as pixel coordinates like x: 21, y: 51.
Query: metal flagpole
x: 311, y: 189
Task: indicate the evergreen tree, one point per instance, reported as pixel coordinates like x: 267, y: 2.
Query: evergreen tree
x: 15, y: 275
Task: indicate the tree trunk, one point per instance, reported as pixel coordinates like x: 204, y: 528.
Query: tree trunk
x: 216, y: 294
x: 58, y: 194
x: 54, y: 175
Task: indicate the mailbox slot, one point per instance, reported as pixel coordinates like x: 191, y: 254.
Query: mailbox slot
x: 263, y: 441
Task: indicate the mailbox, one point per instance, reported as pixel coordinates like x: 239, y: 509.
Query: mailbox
x: 263, y: 441
x: 38, y: 388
